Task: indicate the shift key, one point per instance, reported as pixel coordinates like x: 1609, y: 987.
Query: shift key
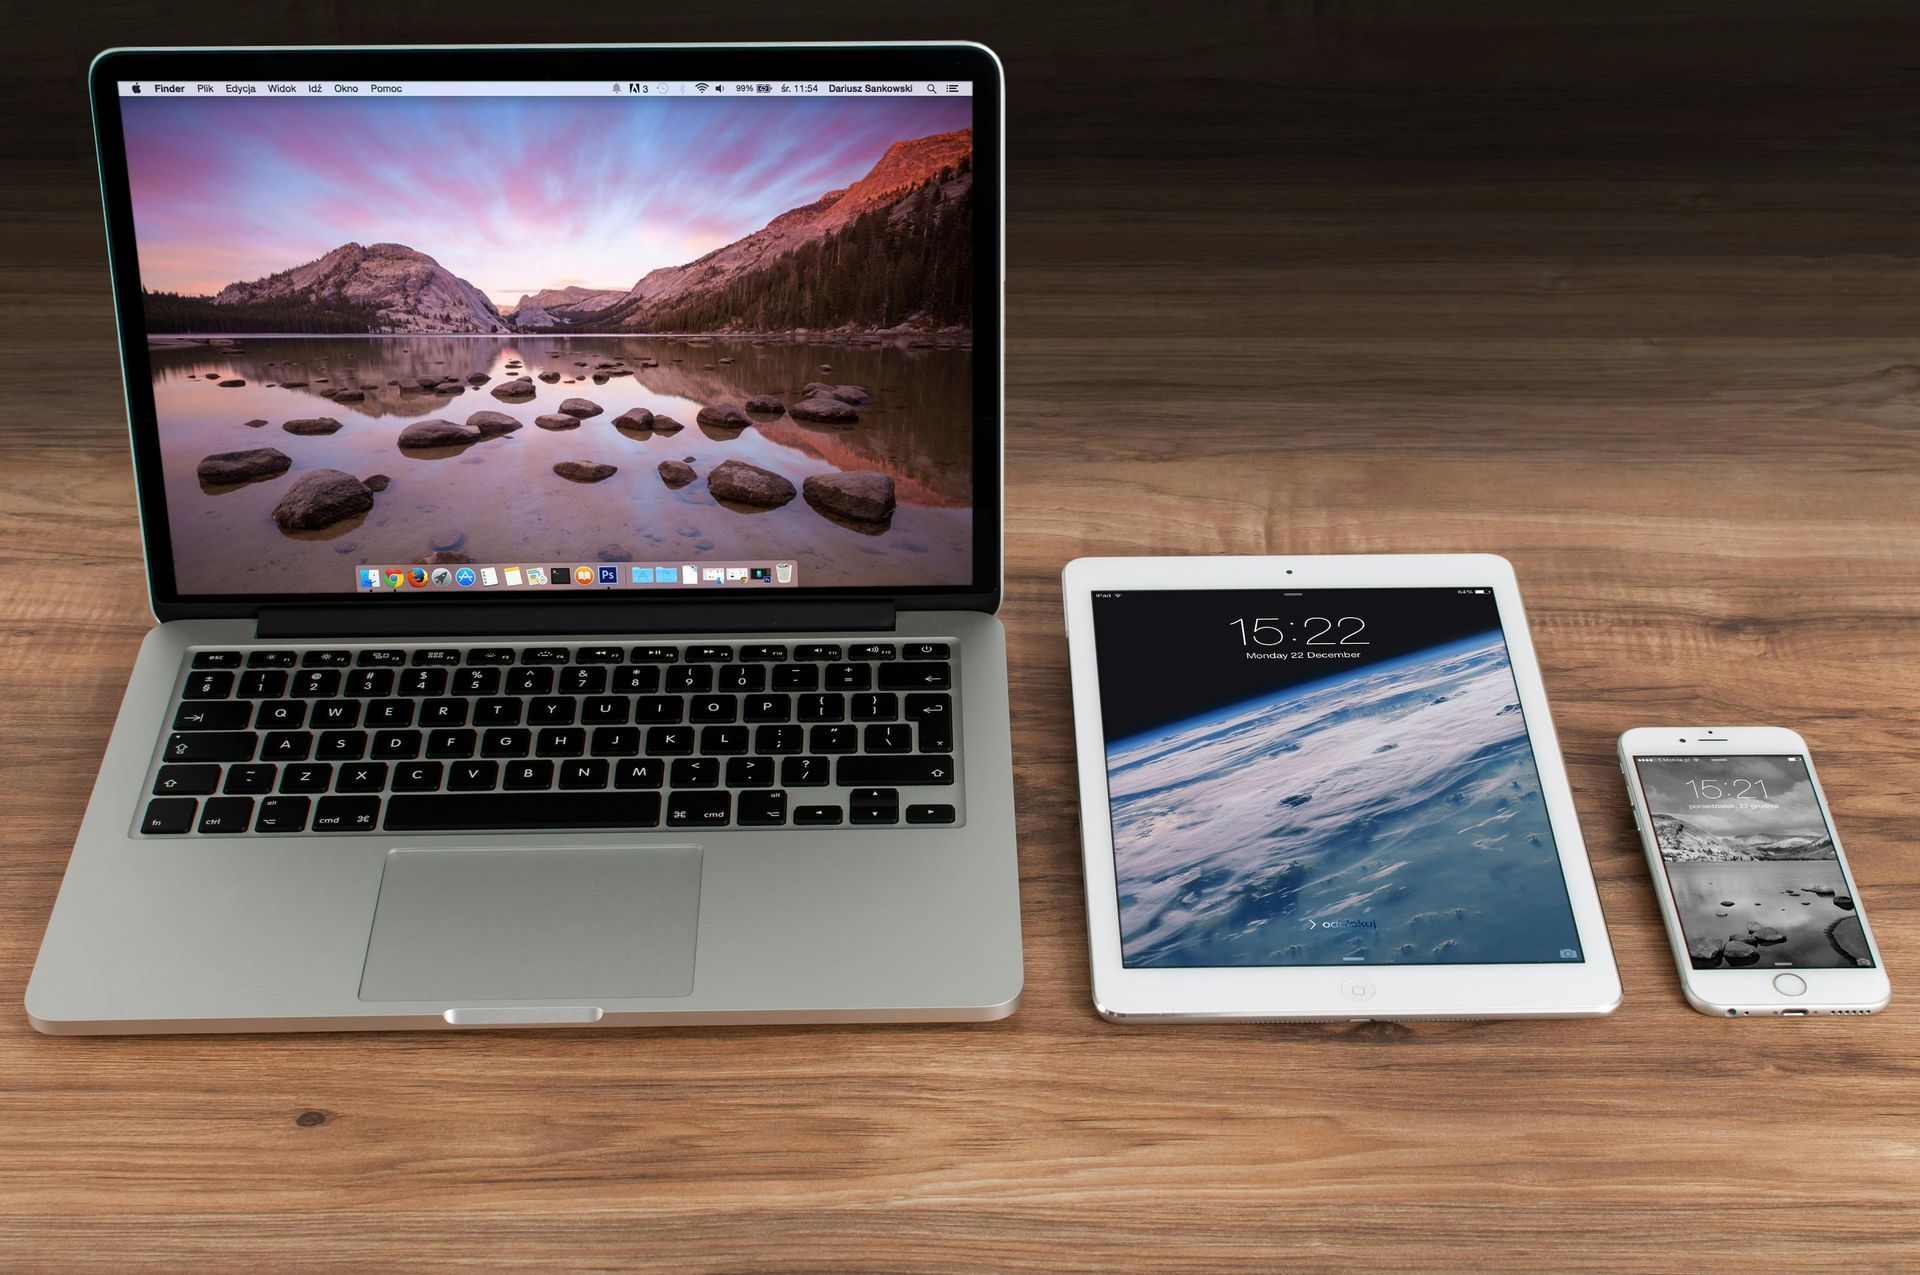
x: 211, y: 745
x: 895, y: 770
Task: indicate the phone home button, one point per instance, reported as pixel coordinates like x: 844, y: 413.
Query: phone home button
x: 1789, y: 984
x: 1357, y: 989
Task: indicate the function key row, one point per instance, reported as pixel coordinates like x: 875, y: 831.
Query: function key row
x: 205, y: 688
x: 703, y: 653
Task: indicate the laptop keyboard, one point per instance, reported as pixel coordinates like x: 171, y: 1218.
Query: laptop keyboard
x: 281, y: 741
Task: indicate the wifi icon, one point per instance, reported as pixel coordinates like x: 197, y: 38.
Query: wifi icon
x: 702, y: 86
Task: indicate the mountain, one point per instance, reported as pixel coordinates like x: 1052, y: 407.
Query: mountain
x: 1681, y: 842
x: 406, y: 291
x: 893, y: 248
x: 910, y: 189
x: 561, y: 304
x: 530, y: 317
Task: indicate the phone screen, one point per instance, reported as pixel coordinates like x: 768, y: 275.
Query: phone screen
x: 1752, y: 864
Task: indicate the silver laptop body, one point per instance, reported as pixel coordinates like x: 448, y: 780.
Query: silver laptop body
x: 748, y: 761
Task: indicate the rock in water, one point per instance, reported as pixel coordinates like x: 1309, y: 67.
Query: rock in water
x: 824, y: 409
x: 519, y: 387
x: 854, y: 394
x: 581, y: 407
x: 549, y: 377
x: 724, y: 360
x: 722, y: 416
x: 1843, y: 901
x: 1849, y: 938
x: 320, y: 499
x: 554, y: 420
x: 493, y: 424
x: 1767, y: 934
x: 348, y: 396
x: 634, y: 418
x: 676, y: 473
x: 863, y: 497
x: 435, y: 432
x: 1705, y: 951
x: 816, y: 389
x: 1739, y: 953
x: 746, y: 484
x: 232, y: 383
x: 766, y: 404
x: 585, y: 471
x: 240, y: 467
x: 376, y: 482
x: 312, y: 425
x: 255, y: 423
x: 478, y: 378
x: 666, y: 425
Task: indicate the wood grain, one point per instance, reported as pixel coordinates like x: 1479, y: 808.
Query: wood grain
x: 1625, y: 293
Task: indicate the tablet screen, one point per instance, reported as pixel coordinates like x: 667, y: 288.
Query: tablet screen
x: 1323, y: 777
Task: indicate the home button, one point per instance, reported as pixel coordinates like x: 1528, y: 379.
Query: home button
x: 1789, y: 984
x: 1357, y: 989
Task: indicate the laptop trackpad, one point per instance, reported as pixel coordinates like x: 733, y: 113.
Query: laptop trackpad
x: 564, y: 926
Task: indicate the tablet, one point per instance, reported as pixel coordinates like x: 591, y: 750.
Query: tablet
x: 1324, y: 788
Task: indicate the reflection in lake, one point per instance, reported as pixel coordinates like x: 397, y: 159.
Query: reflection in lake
x: 1793, y: 899
x: 499, y: 500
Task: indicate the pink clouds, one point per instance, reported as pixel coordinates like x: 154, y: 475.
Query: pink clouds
x: 511, y: 193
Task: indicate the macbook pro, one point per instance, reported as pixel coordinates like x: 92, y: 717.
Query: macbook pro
x: 570, y: 481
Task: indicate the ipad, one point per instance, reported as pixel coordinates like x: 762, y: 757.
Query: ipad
x: 1324, y: 788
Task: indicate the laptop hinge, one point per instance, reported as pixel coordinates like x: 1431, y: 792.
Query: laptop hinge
x: 532, y: 621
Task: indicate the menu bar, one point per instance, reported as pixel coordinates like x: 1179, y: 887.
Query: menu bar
x: 546, y: 88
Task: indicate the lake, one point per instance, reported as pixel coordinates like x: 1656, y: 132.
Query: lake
x: 499, y: 500
x: 1720, y: 900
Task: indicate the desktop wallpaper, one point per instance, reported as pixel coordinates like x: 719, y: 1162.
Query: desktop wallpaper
x: 467, y: 330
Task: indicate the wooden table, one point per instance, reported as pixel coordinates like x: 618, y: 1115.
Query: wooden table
x: 1629, y: 298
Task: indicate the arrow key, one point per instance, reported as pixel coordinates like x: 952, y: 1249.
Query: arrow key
x: 873, y: 805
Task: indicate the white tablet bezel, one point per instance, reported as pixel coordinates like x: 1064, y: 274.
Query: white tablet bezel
x: 1589, y: 988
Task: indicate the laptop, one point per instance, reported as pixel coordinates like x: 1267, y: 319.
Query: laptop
x: 571, y: 489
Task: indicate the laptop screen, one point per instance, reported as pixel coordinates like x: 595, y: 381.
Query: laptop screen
x: 430, y: 338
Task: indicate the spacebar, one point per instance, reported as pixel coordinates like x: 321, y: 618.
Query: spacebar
x: 470, y: 812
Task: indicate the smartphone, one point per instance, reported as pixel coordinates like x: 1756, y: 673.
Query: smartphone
x: 1759, y: 902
